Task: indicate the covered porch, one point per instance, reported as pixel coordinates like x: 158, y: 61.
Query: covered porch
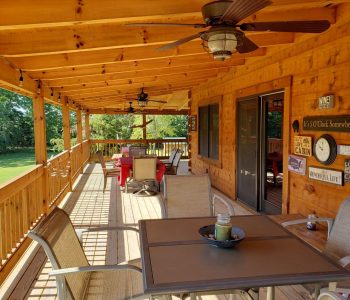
x: 255, y: 119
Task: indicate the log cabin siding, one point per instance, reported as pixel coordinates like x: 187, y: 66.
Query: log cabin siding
x: 316, y: 64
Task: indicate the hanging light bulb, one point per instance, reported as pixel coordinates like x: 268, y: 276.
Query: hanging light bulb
x: 20, y: 78
x: 52, y: 95
x: 38, y: 88
x: 59, y: 97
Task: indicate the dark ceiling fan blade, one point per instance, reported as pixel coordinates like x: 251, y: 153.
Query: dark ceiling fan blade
x: 179, y: 42
x: 168, y: 24
x: 240, y: 9
x: 159, y: 101
x: 246, y: 45
x: 315, y: 26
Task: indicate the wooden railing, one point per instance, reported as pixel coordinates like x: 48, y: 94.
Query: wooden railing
x: 26, y: 199
x: 22, y: 205
x: 161, y: 148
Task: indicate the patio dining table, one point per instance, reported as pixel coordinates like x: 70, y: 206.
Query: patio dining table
x: 176, y: 259
x: 125, y: 164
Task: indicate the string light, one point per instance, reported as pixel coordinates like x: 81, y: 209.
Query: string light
x: 59, y: 97
x: 20, y: 78
x: 52, y: 94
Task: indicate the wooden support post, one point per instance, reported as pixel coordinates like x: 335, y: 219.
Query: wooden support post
x: 40, y: 141
x: 66, y: 125
x: 80, y: 141
x: 145, y: 127
x: 39, y: 128
x: 79, y: 128
x: 87, y: 126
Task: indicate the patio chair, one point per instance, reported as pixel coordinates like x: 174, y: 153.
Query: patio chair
x: 169, y: 162
x: 144, y: 171
x: 190, y: 196
x: 137, y: 151
x: 172, y: 170
x: 338, y: 244
x: 75, y: 277
x: 107, y: 172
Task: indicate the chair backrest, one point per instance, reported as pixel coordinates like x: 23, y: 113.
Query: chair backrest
x: 172, y: 155
x: 144, y: 168
x: 177, y: 158
x: 101, y: 160
x: 57, y: 236
x: 187, y: 196
x: 338, y: 244
x: 137, y: 151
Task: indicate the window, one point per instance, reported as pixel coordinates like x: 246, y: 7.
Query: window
x: 209, y: 131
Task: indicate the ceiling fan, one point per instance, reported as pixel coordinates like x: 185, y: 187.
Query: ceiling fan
x: 142, y: 99
x: 225, y: 35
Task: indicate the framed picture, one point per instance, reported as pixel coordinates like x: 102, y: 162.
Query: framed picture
x: 193, y: 123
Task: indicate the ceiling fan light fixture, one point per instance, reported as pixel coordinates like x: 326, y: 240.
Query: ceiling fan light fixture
x: 142, y: 103
x: 220, y: 43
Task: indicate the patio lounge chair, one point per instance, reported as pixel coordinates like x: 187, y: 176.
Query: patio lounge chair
x: 75, y: 277
x: 190, y: 196
x: 172, y: 170
x: 169, y: 162
x: 338, y: 245
x: 107, y: 172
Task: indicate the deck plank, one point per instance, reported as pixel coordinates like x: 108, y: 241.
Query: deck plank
x: 90, y: 206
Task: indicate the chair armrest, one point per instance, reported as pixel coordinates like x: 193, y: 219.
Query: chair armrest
x: 345, y: 261
x: 327, y: 295
x: 300, y: 221
x: 81, y: 231
x: 228, y: 205
x: 104, y: 268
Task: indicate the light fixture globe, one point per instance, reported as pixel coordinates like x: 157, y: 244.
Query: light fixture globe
x: 221, y: 42
x: 142, y: 103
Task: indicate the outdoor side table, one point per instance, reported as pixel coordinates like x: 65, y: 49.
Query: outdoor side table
x: 177, y: 260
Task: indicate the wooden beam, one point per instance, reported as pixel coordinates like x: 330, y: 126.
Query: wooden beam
x: 66, y: 126
x: 100, y: 57
x: 39, y: 128
x: 81, y: 80
x: 82, y: 38
x: 147, y: 111
x: 22, y: 14
x: 120, y: 67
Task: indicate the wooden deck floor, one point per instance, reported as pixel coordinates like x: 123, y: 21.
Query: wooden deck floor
x: 88, y: 205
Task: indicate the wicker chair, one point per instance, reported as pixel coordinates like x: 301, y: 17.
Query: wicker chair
x: 337, y: 247
x: 190, y: 196
x: 107, y: 172
x: 75, y: 277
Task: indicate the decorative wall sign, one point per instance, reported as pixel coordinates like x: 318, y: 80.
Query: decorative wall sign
x: 326, y: 175
x: 326, y: 101
x: 303, y: 145
x: 297, y: 164
x: 347, y: 170
x: 327, y: 123
x: 344, y: 149
x: 193, y: 123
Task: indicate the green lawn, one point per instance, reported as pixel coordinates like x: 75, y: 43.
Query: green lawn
x: 15, y: 163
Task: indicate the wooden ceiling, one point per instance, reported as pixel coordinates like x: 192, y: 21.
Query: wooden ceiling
x: 83, y: 51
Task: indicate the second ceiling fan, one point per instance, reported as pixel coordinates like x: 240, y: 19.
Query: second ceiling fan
x: 225, y: 35
x: 142, y: 99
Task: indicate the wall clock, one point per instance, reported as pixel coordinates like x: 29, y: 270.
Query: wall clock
x: 325, y: 149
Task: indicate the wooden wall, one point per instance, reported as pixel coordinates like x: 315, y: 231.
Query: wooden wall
x: 317, y: 64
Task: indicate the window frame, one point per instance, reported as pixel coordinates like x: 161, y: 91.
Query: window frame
x: 206, y: 103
